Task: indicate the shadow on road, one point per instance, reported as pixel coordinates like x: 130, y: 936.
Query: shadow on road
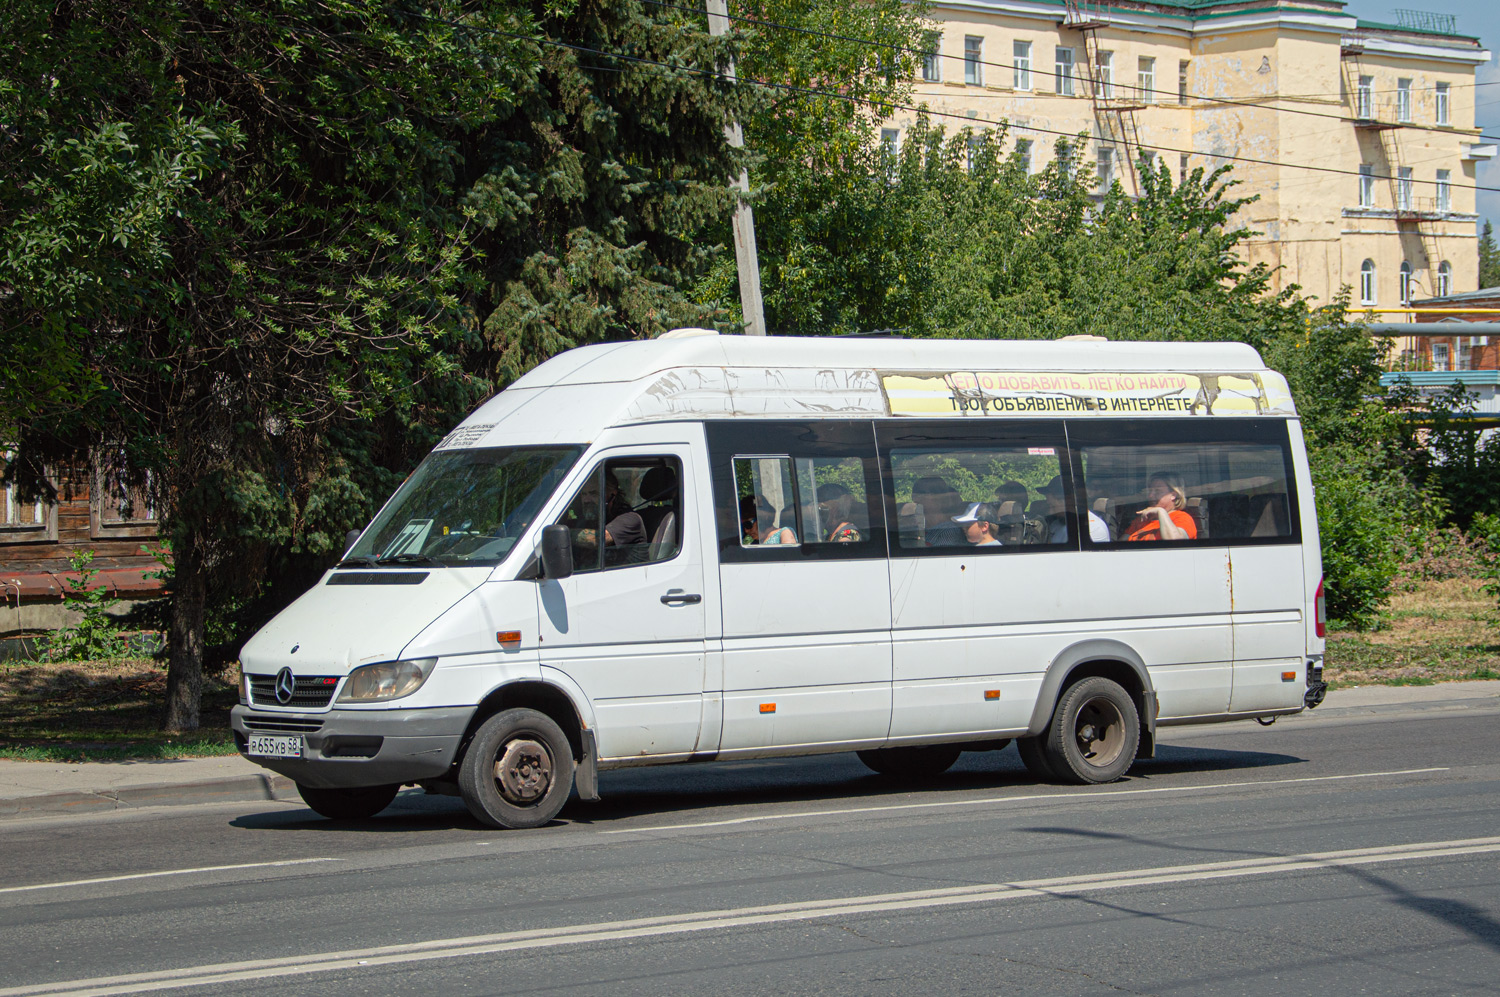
x: 717, y: 789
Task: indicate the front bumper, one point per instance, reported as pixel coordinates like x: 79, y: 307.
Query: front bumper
x: 345, y: 749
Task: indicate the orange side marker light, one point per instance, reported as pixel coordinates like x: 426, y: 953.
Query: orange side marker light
x: 992, y: 694
x: 768, y: 707
x: 1288, y: 676
x: 508, y: 638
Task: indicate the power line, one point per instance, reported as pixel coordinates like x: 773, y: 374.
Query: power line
x: 1174, y: 94
x: 893, y: 106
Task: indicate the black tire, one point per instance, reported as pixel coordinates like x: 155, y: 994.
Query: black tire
x: 348, y: 804
x: 537, y: 775
x: 1094, y: 734
x: 911, y: 763
x: 1035, y: 759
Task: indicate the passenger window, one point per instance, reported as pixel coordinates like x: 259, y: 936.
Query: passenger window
x: 628, y: 512
x: 951, y: 497
x: 767, y: 501
x: 1220, y: 491
x: 831, y: 499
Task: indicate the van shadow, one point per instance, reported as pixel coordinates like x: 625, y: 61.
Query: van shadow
x: 827, y: 780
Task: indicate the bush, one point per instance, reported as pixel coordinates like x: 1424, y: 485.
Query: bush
x: 1429, y: 554
x: 97, y: 636
x: 1362, y: 510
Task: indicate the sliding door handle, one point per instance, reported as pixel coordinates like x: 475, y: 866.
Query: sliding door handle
x: 677, y: 597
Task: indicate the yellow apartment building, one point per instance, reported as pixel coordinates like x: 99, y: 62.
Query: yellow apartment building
x: 1358, y: 137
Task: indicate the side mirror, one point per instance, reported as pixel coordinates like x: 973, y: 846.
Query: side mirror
x: 349, y: 539
x: 557, y: 551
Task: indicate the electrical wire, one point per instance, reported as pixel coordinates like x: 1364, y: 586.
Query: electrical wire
x: 1173, y: 95
x: 893, y: 106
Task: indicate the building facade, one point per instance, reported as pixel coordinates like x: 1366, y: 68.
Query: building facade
x: 1357, y: 138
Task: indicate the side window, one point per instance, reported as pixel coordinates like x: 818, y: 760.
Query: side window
x: 965, y: 495
x: 789, y: 490
x: 628, y: 512
x: 1222, y: 487
x: 767, y: 495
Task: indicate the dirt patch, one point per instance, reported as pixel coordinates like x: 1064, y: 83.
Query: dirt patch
x: 1439, y: 631
x: 99, y: 704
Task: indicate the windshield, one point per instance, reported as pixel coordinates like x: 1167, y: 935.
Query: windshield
x: 463, y: 507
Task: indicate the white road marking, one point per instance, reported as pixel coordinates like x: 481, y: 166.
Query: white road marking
x: 1028, y: 798
x: 153, y: 875
x: 713, y: 920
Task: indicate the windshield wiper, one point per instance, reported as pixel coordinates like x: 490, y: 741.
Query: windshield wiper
x: 356, y: 562
x: 422, y: 559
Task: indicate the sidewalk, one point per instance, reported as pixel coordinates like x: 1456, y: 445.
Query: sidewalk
x: 29, y: 789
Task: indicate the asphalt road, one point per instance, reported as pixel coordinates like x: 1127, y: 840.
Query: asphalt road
x: 1334, y: 853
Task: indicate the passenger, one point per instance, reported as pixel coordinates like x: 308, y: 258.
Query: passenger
x: 980, y: 524
x: 756, y: 518
x: 940, y: 503
x: 1164, y: 518
x: 1011, y: 491
x: 835, y: 505
x: 1057, y: 524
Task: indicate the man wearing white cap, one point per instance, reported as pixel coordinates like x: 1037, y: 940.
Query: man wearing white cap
x: 980, y: 524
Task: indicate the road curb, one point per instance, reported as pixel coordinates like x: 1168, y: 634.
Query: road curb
x: 244, y: 788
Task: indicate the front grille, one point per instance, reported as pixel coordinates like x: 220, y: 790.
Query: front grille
x: 310, y: 691
x: 284, y: 725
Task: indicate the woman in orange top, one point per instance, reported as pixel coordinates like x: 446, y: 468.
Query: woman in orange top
x: 1164, y: 519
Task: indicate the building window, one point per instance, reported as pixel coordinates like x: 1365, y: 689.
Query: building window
x: 1403, y: 100
x: 1182, y: 169
x: 972, y: 150
x: 1148, y: 161
x: 1104, y: 74
x: 1403, y: 189
x: 1145, y: 77
x: 1366, y: 185
x: 973, y: 52
x: 1182, y: 82
x: 1106, y: 167
x: 121, y: 502
x: 890, y: 145
x: 21, y: 519
x: 1021, y: 56
x: 1444, y: 279
x: 1064, y: 69
x: 932, y: 63
x: 1367, y: 282
x: 1441, y: 103
x: 1023, y: 154
x: 1444, y: 191
x: 1440, y: 356
x: 1403, y: 283
x: 1364, y: 102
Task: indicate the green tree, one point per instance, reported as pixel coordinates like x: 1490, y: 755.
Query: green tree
x: 274, y: 245
x: 1489, y: 258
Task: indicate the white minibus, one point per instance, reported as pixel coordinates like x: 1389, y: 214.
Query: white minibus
x: 718, y: 547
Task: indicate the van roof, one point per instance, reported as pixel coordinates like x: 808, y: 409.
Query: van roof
x: 692, y: 375
x: 615, y: 362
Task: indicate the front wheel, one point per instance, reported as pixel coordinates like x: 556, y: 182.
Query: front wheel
x: 518, y: 770
x: 911, y: 763
x: 348, y: 804
x: 1094, y: 733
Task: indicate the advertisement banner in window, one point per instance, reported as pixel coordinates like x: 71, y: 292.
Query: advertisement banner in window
x: 1052, y: 393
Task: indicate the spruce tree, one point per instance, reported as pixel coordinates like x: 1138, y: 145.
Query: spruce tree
x: 1489, y: 258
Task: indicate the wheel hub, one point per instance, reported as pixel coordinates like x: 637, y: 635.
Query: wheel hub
x: 523, y: 771
x: 1100, y: 731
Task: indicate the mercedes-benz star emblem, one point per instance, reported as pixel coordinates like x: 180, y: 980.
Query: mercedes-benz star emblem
x: 285, y: 686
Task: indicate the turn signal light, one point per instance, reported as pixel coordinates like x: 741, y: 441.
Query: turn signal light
x: 992, y: 694
x: 508, y: 637
x: 768, y: 707
x: 1288, y: 676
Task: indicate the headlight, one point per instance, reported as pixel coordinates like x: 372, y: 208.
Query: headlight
x: 244, y: 687
x: 386, y: 681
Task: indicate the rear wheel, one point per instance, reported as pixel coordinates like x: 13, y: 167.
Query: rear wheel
x: 518, y: 770
x: 1094, y: 733
x: 348, y: 804
x: 911, y: 763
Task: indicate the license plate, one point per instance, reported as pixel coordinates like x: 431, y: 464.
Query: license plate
x: 275, y: 745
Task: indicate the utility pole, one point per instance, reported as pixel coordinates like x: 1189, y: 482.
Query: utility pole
x: 745, y: 256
